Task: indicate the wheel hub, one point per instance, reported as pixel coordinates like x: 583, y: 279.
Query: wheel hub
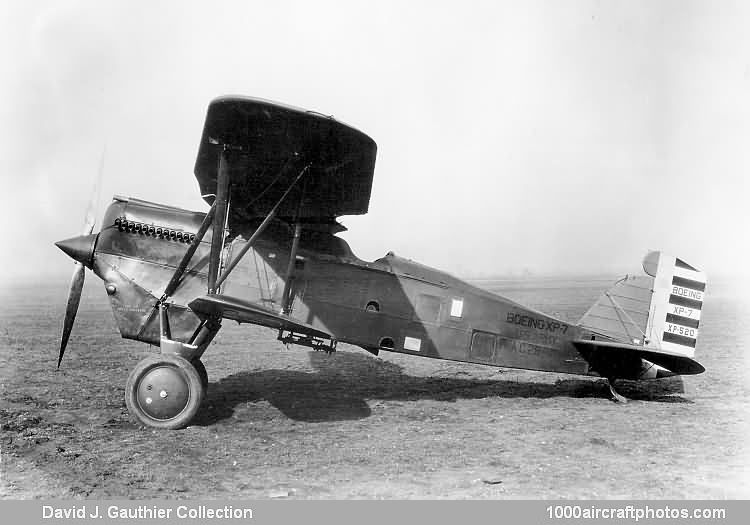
x: 163, y: 392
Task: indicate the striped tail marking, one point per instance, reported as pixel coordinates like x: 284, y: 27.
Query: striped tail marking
x: 676, y: 304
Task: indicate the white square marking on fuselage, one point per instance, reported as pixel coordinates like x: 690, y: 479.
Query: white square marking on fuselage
x: 412, y: 343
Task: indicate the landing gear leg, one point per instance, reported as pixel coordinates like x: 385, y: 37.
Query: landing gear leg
x: 617, y: 398
x: 201, y: 369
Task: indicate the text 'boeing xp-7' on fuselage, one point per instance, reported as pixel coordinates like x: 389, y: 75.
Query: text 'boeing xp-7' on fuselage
x: 267, y: 252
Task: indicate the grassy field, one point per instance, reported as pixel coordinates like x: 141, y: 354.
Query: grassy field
x: 290, y: 423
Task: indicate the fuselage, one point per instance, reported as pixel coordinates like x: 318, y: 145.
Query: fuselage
x: 391, y: 303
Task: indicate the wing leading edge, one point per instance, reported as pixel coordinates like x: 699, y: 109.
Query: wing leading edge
x: 246, y: 312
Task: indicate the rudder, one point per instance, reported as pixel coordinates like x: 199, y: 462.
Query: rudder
x: 676, y: 304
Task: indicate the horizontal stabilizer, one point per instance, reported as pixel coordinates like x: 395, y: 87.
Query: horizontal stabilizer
x: 603, y: 354
x: 246, y: 312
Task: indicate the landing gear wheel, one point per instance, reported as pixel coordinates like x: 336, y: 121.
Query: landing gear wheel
x: 201, y: 369
x: 164, y: 391
x: 617, y: 398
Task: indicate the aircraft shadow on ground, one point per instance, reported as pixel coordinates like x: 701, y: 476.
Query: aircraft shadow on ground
x: 342, y: 384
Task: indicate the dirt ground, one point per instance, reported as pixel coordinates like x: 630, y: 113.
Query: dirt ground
x: 291, y: 423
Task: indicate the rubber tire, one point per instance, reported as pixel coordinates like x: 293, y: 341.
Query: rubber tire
x: 201, y: 369
x: 195, y: 388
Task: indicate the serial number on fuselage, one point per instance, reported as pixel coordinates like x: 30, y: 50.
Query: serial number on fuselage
x: 549, y: 325
x: 539, y: 338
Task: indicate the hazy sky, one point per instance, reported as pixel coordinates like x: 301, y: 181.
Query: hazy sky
x: 548, y: 136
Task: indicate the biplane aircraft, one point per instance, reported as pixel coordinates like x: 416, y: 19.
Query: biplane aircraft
x: 267, y: 252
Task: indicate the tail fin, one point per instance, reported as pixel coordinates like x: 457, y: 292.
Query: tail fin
x: 621, y: 315
x: 659, y: 311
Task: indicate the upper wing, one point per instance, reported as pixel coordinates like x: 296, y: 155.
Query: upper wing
x: 271, y: 143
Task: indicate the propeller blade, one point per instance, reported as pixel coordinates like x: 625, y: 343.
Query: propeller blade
x: 73, y: 248
x: 90, y: 218
x: 74, y: 298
